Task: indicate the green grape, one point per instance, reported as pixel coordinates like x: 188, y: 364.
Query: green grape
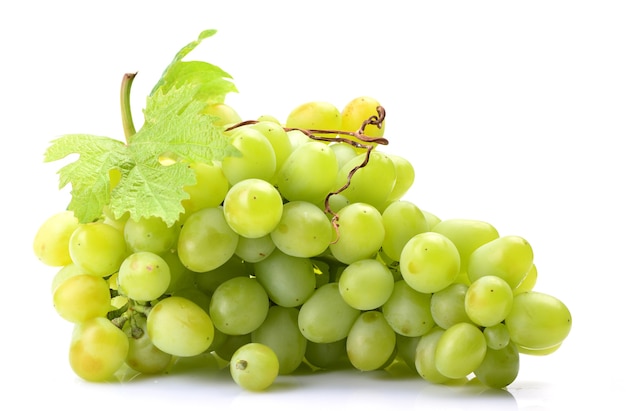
x: 209, y: 190
x: 278, y: 138
x: 405, y: 177
x: 447, y: 306
x: 509, y: 258
x: 253, y: 208
x: 402, y: 221
x: 97, y: 248
x: 431, y: 218
x: 231, y: 344
x: 143, y: 276
x: 325, y: 317
x: 97, y: 349
x: 63, y: 274
x: 304, y: 230
x: 289, y: 281
x: 206, y: 240
x: 51, y: 242
x: 361, y: 233
x: 224, y: 114
x: 528, y: 283
x: 408, y: 311
x: 371, y: 341
x: 371, y: 184
x: 280, y: 332
x: 497, y: 336
x: 254, y: 367
x: 239, y: 305
x: 315, y: 115
x: 309, y: 173
x: 180, y: 276
x: 499, y: 368
x: 150, y: 234
x: 356, y: 112
x: 406, y: 348
x: 195, y: 295
x: 488, y: 300
x: 297, y: 138
x: 268, y: 117
x: 256, y: 157
x: 429, y: 262
x: 253, y: 250
x: 81, y: 297
x: 208, y: 281
x: 460, y: 350
x: 538, y: 321
x: 143, y: 355
x: 366, y: 284
x: 343, y: 153
x: 179, y: 327
x: 425, y: 356
x: 326, y: 356
x: 467, y: 235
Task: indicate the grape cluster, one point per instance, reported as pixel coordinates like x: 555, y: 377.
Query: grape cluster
x: 302, y: 251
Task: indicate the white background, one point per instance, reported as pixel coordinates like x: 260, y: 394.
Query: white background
x: 511, y: 112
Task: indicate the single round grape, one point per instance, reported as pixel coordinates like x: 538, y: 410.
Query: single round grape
x: 405, y: 176
x: 150, y: 234
x: 278, y: 138
x: 97, y: 248
x: 51, y: 242
x: 315, y: 115
x: 97, y: 349
x: 143, y: 276
x: 81, y: 297
x: 488, y: 300
x: 497, y: 336
x: 253, y: 250
x: 366, y: 284
x: 402, y: 221
x: 239, y: 305
x: 425, y: 356
x: 253, y: 208
x: 460, y: 350
x: 361, y: 233
x: 358, y: 110
x: 408, y: 311
x: 371, y: 341
x: 447, y: 306
x: 499, y: 368
x: 224, y: 114
x: 256, y: 157
x: 143, y: 355
x: 209, y: 190
x: 254, y: 367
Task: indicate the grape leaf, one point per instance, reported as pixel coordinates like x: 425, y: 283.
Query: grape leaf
x: 174, y: 126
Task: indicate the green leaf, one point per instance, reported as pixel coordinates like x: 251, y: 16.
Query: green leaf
x: 174, y: 127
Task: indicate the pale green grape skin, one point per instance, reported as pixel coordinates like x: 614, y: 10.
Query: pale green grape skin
x: 143, y: 276
x: 97, y: 349
x: 82, y: 297
x: 497, y: 336
x: 538, y: 321
x: 371, y: 341
x: 278, y: 138
x: 488, y: 300
x: 499, y: 367
x: 325, y: 317
x: 355, y: 112
x: 180, y: 276
x: 253, y: 250
x: 315, y: 115
x: 51, y: 242
x: 303, y: 230
x: 208, y: 281
x: 429, y: 262
x: 467, y: 235
x: 309, y: 173
x: 97, y: 248
x: 63, y: 274
x: 343, y: 153
x: 206, y: 241
x: 528, y: 283
x: 425, y: 357
x: 402, y: 220
x: 327, y: 355
x: 447, y: 306
x: 289, y: 281
x: 408, y: 311
x: 179, y: 327
x: 253, y: 208
x: 256, y: 157
x: 280, y: 332
x: 239, y: 306
x: 150, y: 234
x: 297, y: 138
x: 405, y: 177
x: 195, y: 295
x: 361, y: 233
x: 254, y: 367
x: 366, y: 284
x: 460, y: 350
x: 431, y: 218
x: 209, y: 190
x: 224, y: 114
x: 231, y: 344
x: 406, y: 348
x: 143, y: 356
x: 509, y: 257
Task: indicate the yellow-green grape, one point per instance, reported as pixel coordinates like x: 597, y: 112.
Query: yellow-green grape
x: 361, y: 233
x: 278, y: 138
x: 432, y: 219
x: 488, y: 300
x: 231, y: 344
x: 179, y: 327
x: 195, y: 295
x: 180, y: 276
x: 509, y: 258
x: 268, y: 117
x: 429, y: 262
x: 538, y: 321
x: 304, y: 230
x: 209, y: 190
x: 253, y: 250
x: 371, y: 341
x: 51, y: 242
x: 402, y: 220
x: 499, y: 367
x: 528, y: 283
x: 81, y: 297
x: 343, y: 153
x: 309, y: 173
x: 298, y: 138
x: 425, y: 356
x: 253, y: 208
x: 224, y: 114
x: 497, y: 336
x: 143, y: 276
x: 256, y: 157
x: 460, y: 350
x: 254, y: 367
x: 97, y: 349
x: 447, y: 306
x: 206, y: 240
x: 366, y: 284
x: 143, y: 356
x: 63, y: 274
x: 239, y: 306
x: 315, y: 115
x: 356, y: 112
x: 405, y: 177
x: 150, y: 234
x: 408, y: 311
x: 208, y: 281
x: 97, y: 248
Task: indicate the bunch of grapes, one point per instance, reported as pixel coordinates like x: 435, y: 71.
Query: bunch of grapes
x: 302, y: 251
